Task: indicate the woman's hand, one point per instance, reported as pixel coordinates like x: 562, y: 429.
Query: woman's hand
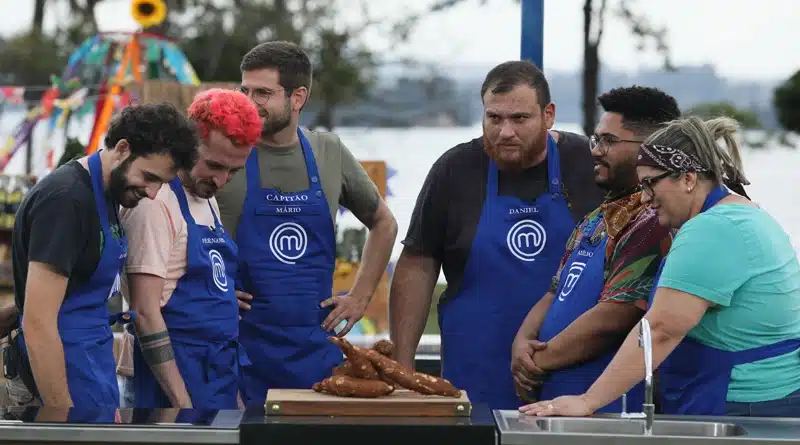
x: 570, y: 406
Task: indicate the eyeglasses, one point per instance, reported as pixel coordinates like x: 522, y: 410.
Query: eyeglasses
x: 604, y: 142
x: 259, y: 95
x: 649, y: 183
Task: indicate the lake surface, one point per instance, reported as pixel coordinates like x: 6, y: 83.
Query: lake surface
x: 773, y: 172
x: 411, y: 152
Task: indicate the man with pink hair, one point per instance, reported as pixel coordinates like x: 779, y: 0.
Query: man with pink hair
x: 181, y: 267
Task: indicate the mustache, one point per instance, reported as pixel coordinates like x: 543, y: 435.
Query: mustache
x: 603, y: 163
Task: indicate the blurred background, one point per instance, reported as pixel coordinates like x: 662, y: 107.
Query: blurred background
x: 398, y: 81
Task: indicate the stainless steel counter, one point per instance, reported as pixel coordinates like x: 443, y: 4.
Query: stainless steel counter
x: 222, y: 429
x: 612, y: 429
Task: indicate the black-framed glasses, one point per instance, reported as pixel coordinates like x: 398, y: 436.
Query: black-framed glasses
x: 259, y: 95
x: 605, y: 142
x: 649, y: 183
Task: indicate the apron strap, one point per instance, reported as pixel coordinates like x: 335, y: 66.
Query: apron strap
x: 766, y: 351
x: 553, y: 165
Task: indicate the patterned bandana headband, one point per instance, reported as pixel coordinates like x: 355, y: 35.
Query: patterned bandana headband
x: 667, y: 158
x: 674, y: 160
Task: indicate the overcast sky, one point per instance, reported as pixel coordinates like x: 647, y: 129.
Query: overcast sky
x: 740, y: 39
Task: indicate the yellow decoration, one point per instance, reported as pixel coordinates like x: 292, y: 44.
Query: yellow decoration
x: 148, y: 13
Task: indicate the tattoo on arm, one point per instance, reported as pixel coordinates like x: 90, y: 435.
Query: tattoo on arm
x: 157, y: 348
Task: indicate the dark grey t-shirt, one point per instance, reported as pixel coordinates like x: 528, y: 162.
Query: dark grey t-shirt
x: 344, y: 180
x: 448, y: 208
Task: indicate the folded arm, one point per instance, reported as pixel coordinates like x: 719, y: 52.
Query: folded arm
x: 632, y: 267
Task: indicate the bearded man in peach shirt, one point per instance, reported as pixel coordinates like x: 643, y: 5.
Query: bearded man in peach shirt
x: 181, y: 270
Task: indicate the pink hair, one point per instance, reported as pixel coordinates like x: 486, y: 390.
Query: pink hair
x: 229, y: 112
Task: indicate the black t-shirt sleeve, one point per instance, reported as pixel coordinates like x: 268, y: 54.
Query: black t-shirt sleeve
x: 58, y: 232
x: 427, y: 228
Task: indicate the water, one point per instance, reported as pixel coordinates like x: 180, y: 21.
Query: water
x: 411, y: 152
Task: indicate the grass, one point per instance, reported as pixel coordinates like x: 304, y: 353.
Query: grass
x: 432, y: 326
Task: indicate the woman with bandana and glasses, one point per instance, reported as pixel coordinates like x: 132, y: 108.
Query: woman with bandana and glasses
x: 724, y: 311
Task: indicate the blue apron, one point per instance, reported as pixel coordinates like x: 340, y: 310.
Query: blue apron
x: 287, y: 249
x: 580, y: 285
x: 202, y: 318
x: 694, y: 378
x: 84, y: 322
x: 517, y: 248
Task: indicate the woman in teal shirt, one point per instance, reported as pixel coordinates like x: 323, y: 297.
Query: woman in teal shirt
x: 725, y: 316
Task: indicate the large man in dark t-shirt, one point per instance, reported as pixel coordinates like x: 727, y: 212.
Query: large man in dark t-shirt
x: 68, y: 251
x: 494, y: 213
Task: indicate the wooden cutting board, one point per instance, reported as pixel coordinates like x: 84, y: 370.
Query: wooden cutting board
x: 401, y: 403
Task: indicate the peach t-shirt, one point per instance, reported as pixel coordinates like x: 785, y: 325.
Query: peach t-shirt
x: 156, y: 232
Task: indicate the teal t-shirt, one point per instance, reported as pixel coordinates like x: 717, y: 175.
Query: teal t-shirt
x: 740, y: 258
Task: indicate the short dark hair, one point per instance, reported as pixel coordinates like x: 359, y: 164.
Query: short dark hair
x: 504, y: 77
x: 643, y: 109
x: 156, y: 129
x: 291, y: 62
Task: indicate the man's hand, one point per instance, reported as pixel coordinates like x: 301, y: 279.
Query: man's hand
x: 8, y: 315
x: 527, y: 375
x: 244, y: 301
x: 346, y: 307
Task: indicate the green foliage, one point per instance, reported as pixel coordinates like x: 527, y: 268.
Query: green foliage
x: 215, y: 35
x: 31, y: 58
x: 709, y: 110
x: 787, y: 103
x: 72, y: 150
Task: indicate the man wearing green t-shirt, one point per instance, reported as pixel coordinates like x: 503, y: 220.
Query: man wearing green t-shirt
x: 281, y: 210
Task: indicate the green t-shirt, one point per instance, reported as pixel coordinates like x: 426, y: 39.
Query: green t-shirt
x: 740, y: 258
x: 344, y: 180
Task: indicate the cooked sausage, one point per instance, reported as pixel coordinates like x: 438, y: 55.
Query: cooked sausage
x: 384, y: 347
x: 346, y: 368
x: 346, y: 386
x: 362, y: 367
x: 402, y: 376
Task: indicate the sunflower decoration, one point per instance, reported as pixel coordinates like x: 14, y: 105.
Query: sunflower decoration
x: 148, y: 13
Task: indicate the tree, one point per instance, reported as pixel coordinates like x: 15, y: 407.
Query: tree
x: 37, y: 24
x: 31, y: 58
x: 786, y: 100
x: 594, y: 20
x: 746, y: 118
x: 344, y: 67
x: 592, y: 37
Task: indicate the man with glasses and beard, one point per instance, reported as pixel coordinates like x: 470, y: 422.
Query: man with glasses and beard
x: 281, y: 209
x: 601, y: 289
x: 68, y: 251
x: 181, y: 271
x: 494, y: 214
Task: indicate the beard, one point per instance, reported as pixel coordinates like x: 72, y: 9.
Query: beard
x: 517, y: 157
x: 120, y: 190
x: 202, y: 188
x: 276, y: 123
x: 618, y: 177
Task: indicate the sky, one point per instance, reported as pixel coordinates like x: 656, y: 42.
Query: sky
x: 742, y: 41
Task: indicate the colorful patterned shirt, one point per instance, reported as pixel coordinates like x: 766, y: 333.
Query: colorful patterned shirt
x: 637, y: 244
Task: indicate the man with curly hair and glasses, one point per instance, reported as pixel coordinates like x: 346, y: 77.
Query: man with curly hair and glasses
x: 181, y: 271
x: 68, y: 253
x: 601, y: 288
